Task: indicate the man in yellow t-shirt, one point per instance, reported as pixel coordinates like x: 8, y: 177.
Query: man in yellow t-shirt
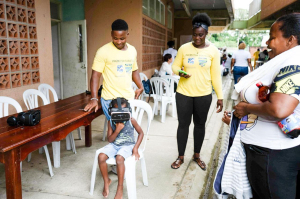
x: 117, y: 62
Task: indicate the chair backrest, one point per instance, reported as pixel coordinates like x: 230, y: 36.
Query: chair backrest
x: 143, y: 77
x: 172, y: 81
x: 30, y: 98
x: 160, y: 87
x: 138, y: 108
x: 44, y: 88
x: 4, y: 102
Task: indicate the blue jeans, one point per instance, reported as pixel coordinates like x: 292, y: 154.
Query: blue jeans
x: 105, y: 105
x: 239, y: 71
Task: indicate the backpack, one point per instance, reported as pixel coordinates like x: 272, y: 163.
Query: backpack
x: 147, y: 88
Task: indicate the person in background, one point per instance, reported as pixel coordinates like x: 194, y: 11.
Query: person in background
x: 256, y: 56
x: 240, y: 62
x: 166, y: 68
x: 171, y: 50
x: 263, y: 55
x: 227, y: 63
x: 201, y: 61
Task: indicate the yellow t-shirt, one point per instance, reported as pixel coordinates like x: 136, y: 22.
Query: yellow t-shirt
x: 203, y: 65
x: 116, y: 67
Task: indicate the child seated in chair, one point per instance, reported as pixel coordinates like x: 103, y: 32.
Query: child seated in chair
x: 122, y: 145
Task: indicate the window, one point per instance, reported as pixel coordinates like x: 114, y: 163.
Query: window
x: 145, y: 7
x: 170, y: 22
x: 152, y: 9
x: 155, y: 9
x: 162, y: 15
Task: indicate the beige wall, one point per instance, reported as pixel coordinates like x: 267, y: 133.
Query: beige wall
x: 182, y: 26
x: 99, y: 17
x: 43, y: 23
x: 269, y: 7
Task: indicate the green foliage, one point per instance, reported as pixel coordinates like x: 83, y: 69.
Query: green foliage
x: 231, y: 38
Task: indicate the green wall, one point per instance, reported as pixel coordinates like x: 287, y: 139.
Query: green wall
x: 72, y: 10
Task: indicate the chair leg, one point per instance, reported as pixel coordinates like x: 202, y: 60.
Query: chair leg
x: 130, y: 177
x: 29, y: 157
x: 144, y: 171
x: 79, y: 133
x: 41, y: 150
x: 56, y: 154
x: 48, y: 160
x: 94, y: 169
x: 163, y: 111
x: 21, y: 168
x: 71, y: 137
x: 104, y: 129
x: 154, y: 108
x: 68, y: 142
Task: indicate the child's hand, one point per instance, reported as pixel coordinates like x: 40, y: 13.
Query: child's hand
x: 136, y: 154
x: 226, y: 118
x: 119, y: 126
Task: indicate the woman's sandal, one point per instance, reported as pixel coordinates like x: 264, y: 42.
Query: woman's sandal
x: 200, y: 163
x: 177, y: 163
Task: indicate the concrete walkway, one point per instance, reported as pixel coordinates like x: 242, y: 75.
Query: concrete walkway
x: 72, y: 179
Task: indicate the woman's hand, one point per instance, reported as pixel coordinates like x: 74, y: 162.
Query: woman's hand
x: 231, y: 70
x: 183, y: 75
x: 219, y: 105
x: 240, y: 110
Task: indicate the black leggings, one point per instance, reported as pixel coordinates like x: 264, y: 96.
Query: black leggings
x: 186, y: 107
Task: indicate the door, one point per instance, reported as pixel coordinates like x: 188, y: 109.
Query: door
x: 74, y: 57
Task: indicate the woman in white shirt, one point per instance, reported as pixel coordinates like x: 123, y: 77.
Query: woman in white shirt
x: 272, y: 157
x: 241, y: 59
x: 166, y: 68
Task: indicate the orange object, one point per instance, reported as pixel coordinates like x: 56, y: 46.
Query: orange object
x: 263, y: 92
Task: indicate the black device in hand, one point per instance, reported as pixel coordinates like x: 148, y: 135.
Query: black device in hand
x: 29, y: 118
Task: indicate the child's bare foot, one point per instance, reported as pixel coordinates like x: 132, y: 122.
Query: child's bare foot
x: 119, y: 194
x: 106, y: 188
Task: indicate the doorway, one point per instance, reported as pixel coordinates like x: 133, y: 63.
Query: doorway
x: 69, y: 53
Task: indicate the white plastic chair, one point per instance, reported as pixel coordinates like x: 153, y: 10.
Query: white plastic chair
x: 144, y: 94
x: 172, y: 81
x: 162, y: 93
x: 138, y: 109
x: 4, y: 102
x: 30, y: 98
x: 70, y: 142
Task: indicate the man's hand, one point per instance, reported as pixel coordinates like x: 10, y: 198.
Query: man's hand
x: 92, y: 104
x: 119, y: 126
x: 136, y: 154
x: 138, y: 92
x: 183, y: 75
x: 231, y: 71
x: 240, y: 110
x: 219, y: 105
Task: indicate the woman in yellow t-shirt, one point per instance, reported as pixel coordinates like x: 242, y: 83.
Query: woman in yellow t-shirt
x: 201, y: 61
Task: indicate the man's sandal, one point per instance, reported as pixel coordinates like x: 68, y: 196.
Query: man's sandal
x: 177, y: 163
x: 200, y: 163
